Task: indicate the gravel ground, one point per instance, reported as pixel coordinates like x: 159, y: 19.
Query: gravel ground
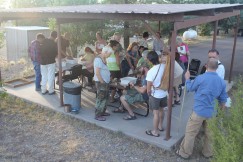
x: 15, y: 69
x: 29, y: 132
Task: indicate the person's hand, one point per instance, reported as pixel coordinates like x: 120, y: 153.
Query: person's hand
x: 187, y: 75
x: 131, y: 84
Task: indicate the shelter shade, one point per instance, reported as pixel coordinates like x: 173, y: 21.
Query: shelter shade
x: 203, y: 20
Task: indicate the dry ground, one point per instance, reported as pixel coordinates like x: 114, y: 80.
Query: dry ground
x: 29, y: 132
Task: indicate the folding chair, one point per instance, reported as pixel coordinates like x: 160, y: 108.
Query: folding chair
x: 75, y: 73
x: 194, y: 68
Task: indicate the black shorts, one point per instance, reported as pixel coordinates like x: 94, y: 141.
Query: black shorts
x: 157, y: 103
x: 115, y: 74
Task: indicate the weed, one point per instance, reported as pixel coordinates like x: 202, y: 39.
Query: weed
x: 227, y: 129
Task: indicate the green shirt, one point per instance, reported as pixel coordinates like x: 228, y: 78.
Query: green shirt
x: 111, y: 63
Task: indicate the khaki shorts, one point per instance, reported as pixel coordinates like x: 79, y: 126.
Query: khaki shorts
x: 157, y: 103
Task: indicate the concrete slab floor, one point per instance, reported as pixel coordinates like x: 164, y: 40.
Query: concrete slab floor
x: 135, y: 129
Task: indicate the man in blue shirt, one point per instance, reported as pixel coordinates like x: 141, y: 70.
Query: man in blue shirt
x: 34, y: 53
x: 207, y: 88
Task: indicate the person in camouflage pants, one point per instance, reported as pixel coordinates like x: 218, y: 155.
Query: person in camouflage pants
x: 102, y: 98
x: 102, y: 80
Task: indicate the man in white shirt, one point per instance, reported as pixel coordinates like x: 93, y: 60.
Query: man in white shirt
x: 213, y: 53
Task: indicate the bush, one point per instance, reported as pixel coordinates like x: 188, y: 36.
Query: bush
x: 227, y: 130
x: 205, y: 29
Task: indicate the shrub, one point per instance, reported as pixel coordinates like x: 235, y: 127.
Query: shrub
x: 227, y: 129
x: 205, y: 29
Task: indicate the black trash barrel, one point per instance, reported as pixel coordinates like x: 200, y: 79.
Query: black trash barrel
x: 72, y: 95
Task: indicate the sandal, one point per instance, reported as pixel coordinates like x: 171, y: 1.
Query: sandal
x: 149, y: 132
x: 177, y: 102
x: 130, y: 117
x: 105, y: 114
x: 177, y: 154
x: 100, y: 118
x: 118, y: 110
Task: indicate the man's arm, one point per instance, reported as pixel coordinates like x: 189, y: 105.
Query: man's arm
x: 149, y: 85
x: 191, y: 86
x: 222, y: 99
x: 97, y: 70
x: 139, y: 89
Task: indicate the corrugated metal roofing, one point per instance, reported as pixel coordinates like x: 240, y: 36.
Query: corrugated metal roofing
x: 125, y: 8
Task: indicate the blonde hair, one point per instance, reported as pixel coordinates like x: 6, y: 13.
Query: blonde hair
x: 131, y: 45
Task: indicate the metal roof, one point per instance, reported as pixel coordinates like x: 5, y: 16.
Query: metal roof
x: 27, y: 27
x: 119, y: 11
x: 125, y: 8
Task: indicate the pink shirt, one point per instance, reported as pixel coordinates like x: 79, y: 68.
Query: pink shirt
x: 184, y: 58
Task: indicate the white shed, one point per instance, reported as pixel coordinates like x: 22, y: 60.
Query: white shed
x: 18, y: 39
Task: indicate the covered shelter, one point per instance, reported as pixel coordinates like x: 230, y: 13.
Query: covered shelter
x: 181, y: 15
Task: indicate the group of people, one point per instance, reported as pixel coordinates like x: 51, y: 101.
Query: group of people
x: 108, y: 62
x: 43, y: 52
x: 208, y: 87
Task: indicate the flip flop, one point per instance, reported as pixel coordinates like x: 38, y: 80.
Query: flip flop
x: 177, y: 102
x: 149, y: 132
x: 118, y: 110
x: 177, y: 154
x: 161, y: 130
x: 100, y: 118
x: 130, y: 117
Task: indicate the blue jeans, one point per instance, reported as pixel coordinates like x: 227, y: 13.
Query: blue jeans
x: 37, y: 74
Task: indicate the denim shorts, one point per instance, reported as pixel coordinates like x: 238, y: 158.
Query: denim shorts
x: 157, y: 103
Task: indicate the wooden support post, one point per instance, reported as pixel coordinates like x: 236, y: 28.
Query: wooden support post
x: 233, y: 52
x: 0, y: 78
x: 172, y: 65
x: 1, y: 84
x: 60, y: 61
x: 215, y: 34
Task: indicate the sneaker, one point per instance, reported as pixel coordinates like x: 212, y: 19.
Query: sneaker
x: 52, y: 93
x: 38, y: 89
x: 44, y: 93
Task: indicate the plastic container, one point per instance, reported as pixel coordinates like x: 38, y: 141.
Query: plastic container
x: 126, y: 80
x: 72, y: 95
x: 67, y: 108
